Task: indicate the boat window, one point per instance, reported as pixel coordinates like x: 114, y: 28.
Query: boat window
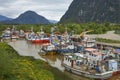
x: 94, y: 55
x: 68, y: 59
x: 77, y: 57
x: 89, y: 64
x: 65, y: 58
x: 89, y: 53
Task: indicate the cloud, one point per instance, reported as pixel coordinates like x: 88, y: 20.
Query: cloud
x: 51, y: 9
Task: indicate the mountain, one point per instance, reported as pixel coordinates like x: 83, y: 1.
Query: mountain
x: 4, y: 18
x: 29, y: 17
x: 53, y: 21
x: 82, y: 11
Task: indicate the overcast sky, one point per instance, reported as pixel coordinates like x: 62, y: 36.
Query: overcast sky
x: 51, y: 9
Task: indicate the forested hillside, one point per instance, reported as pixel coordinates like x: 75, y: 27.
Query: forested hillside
x: 82, y: 11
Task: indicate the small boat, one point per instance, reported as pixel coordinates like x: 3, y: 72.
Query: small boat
x: 21, y: 34
x: 49, y: 49
x: 6, y: 34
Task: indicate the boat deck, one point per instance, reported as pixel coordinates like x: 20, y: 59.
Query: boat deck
x: 84, y: 68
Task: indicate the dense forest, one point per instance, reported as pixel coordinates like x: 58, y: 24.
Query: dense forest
x: 92, y: 11
x: 73, y: 27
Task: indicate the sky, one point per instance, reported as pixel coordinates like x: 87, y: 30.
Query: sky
x: 50, y: 9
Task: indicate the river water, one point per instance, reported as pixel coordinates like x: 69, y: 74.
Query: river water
x: 25, y: 48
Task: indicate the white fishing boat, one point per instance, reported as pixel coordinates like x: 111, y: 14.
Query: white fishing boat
x: 21, y: 34
x: 6, y: 34
x: 49, y: 49
x: 91, y: 63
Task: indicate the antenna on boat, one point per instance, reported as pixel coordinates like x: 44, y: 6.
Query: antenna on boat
x: 66, y: 31
x: 41, y: 29
x: 13, y: 27
x: 32, y: 28
x: 52, y: 29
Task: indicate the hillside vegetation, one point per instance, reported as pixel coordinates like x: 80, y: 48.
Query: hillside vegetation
x: 77, y: 28
x: 83, y: 11
x: 15, y: 67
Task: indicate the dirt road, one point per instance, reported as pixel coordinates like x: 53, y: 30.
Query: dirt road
x: 109, y: 35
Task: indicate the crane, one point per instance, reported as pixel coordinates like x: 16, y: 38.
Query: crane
x: 83, y: 33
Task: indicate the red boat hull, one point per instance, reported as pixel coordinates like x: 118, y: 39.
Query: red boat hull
x: 40, y: 41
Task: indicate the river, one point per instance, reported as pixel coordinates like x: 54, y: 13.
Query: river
x: 25, y: 48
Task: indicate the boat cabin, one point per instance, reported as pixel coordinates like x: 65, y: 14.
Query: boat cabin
x: 89, y: 42
x: 93, y: 56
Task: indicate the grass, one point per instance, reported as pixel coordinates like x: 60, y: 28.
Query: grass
x: 117, y: 31
x: 107, y: 40
x: 15, y: 67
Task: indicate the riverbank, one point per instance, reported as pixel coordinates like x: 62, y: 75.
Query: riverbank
x: 16, y: 67
x: 24, y: 48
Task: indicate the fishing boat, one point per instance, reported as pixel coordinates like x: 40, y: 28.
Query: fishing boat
x: 6, y: 34
x: 21, y: 34
x: 91, y: 63
x: 39, y: 37
x: 49, y: 49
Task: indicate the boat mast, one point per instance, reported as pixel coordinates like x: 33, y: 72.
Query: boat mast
x: 66, y: 33
x: 52, y: 29
x: 41, y: 29
x: 32, y: 29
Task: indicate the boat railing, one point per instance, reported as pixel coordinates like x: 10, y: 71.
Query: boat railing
x: 104, y: 73
x: 95, y: 75
x: 102, y: 76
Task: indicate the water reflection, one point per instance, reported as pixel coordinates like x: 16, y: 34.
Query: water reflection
x: 55, y: 61
x: 25, y: 48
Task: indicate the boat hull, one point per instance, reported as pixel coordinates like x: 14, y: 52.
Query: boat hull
x: 40, y: 41
x: 101, y: 76
x: 21, y: 36
x: 6, y: 37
